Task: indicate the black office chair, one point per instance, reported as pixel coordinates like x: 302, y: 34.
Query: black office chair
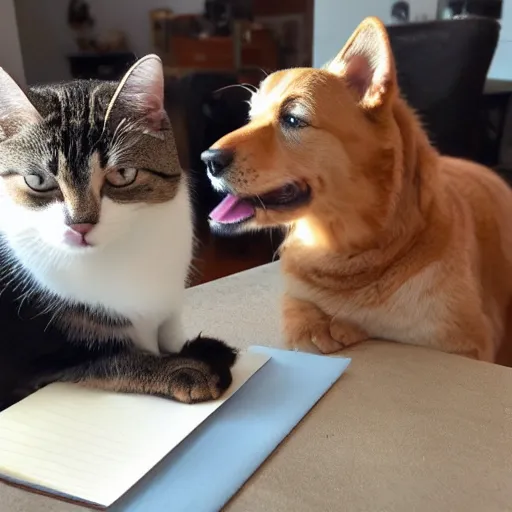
x: 100, y: 66
x: 212, y: 105
x: 442, y: 68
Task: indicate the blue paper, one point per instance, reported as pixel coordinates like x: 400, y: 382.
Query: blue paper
x: 210, y: 465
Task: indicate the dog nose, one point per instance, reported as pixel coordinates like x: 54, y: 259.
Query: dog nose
x: 217, y: 160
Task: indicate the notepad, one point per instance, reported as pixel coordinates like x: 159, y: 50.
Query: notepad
x: 92, y: 446
x: 213, y: 463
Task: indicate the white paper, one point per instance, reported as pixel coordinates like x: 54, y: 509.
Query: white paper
x: 94, y: 445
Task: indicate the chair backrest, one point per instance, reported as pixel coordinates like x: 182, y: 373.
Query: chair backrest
x: 211, y: 107
x: 442, y: 68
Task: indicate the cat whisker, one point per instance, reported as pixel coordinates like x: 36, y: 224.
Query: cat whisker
x: 106, y: 296
x: 52, y: 318
x: 246, y: 87
x: 252, y: 87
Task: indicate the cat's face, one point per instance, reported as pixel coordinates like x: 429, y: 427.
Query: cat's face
x: 84, y: 164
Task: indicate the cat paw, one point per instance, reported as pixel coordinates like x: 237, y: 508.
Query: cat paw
x: 206, y: 371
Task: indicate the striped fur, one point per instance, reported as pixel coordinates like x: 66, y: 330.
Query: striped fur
x: 103, y: 155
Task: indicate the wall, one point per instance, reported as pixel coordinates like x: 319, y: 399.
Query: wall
x: 335, y: 20
x: 423, y: 9
x: 10, y: 51
x: 46, y: 38
x: 501, y: 68
x: 506, y: 21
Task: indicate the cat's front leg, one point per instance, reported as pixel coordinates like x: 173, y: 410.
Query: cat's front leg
x: 171, y: 335
x: 201, y: 371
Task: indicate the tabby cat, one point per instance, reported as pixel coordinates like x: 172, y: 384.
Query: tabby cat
x: 96, y: 242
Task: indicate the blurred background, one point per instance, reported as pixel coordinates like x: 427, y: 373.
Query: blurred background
x: 453, y: 57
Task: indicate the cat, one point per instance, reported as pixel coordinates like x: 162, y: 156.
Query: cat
x: 96, y: 240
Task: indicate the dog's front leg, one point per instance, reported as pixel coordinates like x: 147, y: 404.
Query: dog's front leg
x: 346, y: 333
x: 306, y: 327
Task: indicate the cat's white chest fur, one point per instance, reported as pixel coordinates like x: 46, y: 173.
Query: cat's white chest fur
x: 137, y: 266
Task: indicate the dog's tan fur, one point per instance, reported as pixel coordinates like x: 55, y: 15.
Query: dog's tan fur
x: 397, y: 242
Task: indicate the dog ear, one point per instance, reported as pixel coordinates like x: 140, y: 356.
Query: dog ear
x: 367, y: 65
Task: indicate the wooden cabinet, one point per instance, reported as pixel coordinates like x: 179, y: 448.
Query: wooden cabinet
x: 219, y: 53
x: 180, y: 49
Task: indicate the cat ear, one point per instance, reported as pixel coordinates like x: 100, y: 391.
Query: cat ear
x: 140, y: 95
x: 367, y: 64
x: 16, y: 111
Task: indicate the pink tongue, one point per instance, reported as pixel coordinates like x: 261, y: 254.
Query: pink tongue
x: 231, y: 210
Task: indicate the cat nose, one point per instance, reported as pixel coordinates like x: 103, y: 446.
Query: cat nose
x: 217, y: 160
x: 81, y: 229
x: 76, y: 233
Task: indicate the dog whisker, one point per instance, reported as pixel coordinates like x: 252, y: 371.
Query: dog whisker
x: 261, y: 202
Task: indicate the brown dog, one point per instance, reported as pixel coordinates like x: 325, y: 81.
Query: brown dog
x: 386, y: 238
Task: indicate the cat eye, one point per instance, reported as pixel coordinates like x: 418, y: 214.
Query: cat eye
x: 39, y: 183
x: 122, y: 177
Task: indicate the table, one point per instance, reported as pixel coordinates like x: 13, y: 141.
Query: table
x: 405, y: 429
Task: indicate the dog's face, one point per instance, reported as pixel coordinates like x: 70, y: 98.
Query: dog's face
x: 319, y: 142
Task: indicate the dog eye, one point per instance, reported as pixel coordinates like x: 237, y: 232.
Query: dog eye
x: 122, y: 177
x: 39, y: 183
x: 291, y: 121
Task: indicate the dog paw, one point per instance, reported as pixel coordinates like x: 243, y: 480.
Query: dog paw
x: 307, y: 328
x: 323, y: 340
x: 326, y: 337
x: 345, y: 333
x: 316, y: 338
